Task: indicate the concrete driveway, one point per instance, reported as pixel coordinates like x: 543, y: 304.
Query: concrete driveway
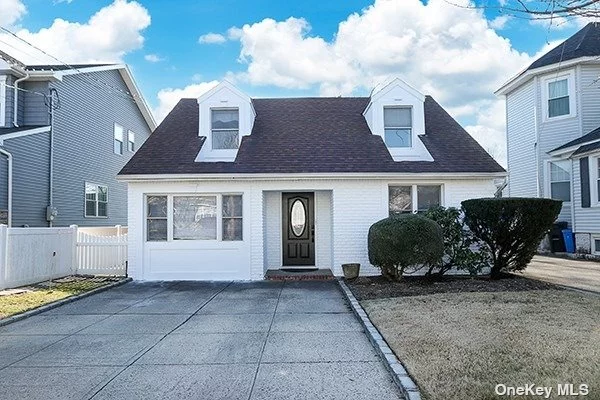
x: 578, y: 274
x: 188, y: 340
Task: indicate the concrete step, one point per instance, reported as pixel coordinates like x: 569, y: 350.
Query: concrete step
x: 304, y: 274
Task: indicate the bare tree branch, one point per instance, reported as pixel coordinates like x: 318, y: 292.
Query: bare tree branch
x: 539, y: 9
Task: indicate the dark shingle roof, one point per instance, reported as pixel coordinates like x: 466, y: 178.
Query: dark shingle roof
x: 5, y: 131
x: 585, y: 43
x: 308, y: 135
x: 61, y: 67
x: 586, y: 148
x: 593, y: 135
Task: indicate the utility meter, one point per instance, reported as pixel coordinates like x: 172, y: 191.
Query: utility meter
x: 51, y: 213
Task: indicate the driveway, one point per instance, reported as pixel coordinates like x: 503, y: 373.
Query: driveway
x: 195, y: 340
x: 578, y: 274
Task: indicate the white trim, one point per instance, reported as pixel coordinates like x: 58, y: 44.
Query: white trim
x: 230, y: 86
x: 389, y: 86
x: 313, y: 176
x: 25, y: 132
x: 546, y: 80
x: 85, y: 184
x: 3, y: 100
x: 525, y: 75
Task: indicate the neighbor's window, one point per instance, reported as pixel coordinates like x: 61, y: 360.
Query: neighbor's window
x: 397, y: 122
x: 401, y: 198
x: 596, y: 240
x: 598, y: 181
x: 558, y: 98
x: 428, y: 197
x: 96, y: 200
x: 156, y: 218
x: 118, y: 139
x: 130, y: 141
x: 560, y: 181
x: 194, y: 217
x: 232, y: 217
x: 225, y: 125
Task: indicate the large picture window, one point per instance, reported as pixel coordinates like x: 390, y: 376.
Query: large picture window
x: 560, y: 181
x: 194, y: 217
x: 225, y: 125
x: 96, y: 200
x: 404, y: 199
x: 397, y: 122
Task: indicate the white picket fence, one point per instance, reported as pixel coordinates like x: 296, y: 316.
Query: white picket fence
x: 30, y: 255
x: 101, y: 255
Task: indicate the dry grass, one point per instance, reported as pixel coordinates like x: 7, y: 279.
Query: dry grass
x: 48, y: 292
x: 460, y: 345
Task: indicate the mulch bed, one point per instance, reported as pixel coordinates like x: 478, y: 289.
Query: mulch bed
x: 376, y: 287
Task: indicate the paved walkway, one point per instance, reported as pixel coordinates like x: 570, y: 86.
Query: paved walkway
x: 574, y: 273
x: 264, y: 340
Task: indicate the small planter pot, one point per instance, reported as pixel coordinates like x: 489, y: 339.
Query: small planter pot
x: 351, y: 271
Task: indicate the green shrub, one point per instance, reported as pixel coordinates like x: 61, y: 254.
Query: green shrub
x: 510, y: 228
x: 458, y: 243
x: 404, y: 243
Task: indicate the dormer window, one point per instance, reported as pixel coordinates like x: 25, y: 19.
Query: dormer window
x: 398, y: 126
x: 225, y: 128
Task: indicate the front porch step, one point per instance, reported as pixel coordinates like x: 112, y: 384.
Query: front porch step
x: 298, y: 275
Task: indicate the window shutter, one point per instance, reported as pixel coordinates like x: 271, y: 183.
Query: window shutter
x: 584, y: 172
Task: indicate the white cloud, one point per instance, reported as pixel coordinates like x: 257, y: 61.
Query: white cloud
x: 500, y: 21
x: 168, y: 97
x: 212, y: 38
x: 153, y: 58
x: 107, y: 36
x: 450, y: 52
x: 11, y: 11
x: 490, y: 129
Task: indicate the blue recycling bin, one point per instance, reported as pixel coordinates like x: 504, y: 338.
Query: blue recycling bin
x: 569, y: 242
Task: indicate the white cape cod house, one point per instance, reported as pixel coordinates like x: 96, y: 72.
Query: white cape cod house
x: 228, y: 187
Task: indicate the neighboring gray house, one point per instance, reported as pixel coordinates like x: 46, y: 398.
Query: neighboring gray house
x: 64, y: 162
x: 553, y: 134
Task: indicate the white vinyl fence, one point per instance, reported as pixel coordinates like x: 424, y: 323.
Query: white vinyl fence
x: 30, y: 255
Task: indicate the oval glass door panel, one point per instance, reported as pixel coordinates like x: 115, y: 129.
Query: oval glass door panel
x: 298, y: 218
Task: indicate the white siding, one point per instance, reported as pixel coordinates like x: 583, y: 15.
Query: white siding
x: 590, y: 98
x: 520, y: 128
x: 345, y: 209
x: 586, y: 219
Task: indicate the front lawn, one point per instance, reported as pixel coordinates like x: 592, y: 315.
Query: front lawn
x: 16, y: 301
x: 461, y: 337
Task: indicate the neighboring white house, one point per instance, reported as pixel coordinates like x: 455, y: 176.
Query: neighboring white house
x: 228, y: 186
x: 553, y: 134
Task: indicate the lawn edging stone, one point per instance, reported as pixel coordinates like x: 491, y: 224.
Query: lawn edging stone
x: 399, y: 374
x: 58, y: 303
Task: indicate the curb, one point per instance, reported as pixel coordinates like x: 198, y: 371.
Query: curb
x: 58, y: 303
x: 405, y: 383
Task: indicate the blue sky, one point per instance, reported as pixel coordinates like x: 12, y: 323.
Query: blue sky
x: 306, y: 48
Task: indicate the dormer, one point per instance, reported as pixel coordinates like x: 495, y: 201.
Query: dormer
x: 225, y: 116
x: 396, y: 112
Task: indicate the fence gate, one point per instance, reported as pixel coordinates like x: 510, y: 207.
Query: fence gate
x: 101, y: 255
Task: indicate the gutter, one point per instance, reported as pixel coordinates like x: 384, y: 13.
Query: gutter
x: 15, y: 98
x: 10, y: 176
x: 318, y: 176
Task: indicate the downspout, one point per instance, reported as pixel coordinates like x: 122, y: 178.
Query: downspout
x: 537, y: 153
x: 15, y: 98
x: 573, y: 197
x: 10, y: 173
x: 51, y: 166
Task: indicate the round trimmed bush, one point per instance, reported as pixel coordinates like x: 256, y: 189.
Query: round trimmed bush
x: 404, y: 243
x: 511, y: 228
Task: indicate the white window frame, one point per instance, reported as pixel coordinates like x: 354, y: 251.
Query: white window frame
x: 593, y: 164
x: 570, y: 76
x: 171, y: 196
x: 412, y: 136
x: 97, y: 185
x: 115, y: 139
x: 224, y: 130
x: 131, y: 141
x: 548, y: 180
x: 413, y: 194
x: 593, y: 239
x: 3, y: 100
